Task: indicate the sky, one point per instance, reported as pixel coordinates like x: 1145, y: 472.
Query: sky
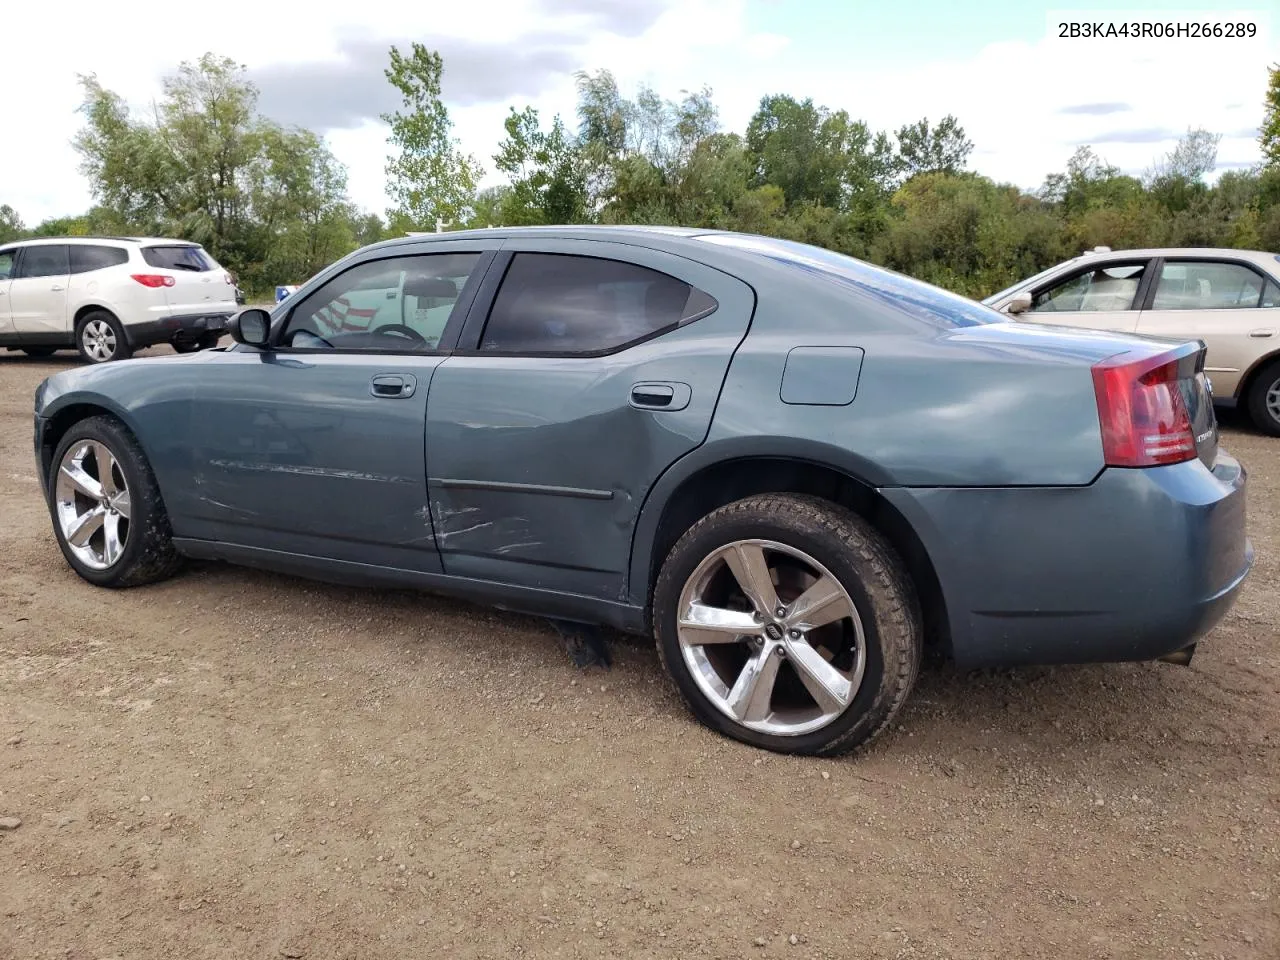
x: 1025, y: 97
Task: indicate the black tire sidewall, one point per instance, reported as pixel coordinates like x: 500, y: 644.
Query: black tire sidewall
x: 844, y: 561
x: 1258, y: 412
x: 143, y: 512
x: 123, y: 349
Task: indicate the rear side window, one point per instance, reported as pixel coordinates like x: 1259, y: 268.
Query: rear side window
x: 178, y: 257
x: 1205, y: 285
x: 85, y: 259
x: 44, y: 260
x: 562, y: 305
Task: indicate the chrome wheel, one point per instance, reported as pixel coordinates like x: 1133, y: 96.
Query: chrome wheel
x: 99, y: 340
x: 92, y: 502
x: 771, y: 638
x: 1273, y: 401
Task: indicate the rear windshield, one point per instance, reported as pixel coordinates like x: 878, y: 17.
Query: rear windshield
x: 184, y: 257
x: 922, y: 300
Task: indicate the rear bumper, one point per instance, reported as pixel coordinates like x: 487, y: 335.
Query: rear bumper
x: 191, y: 326
x: 1135, y: 566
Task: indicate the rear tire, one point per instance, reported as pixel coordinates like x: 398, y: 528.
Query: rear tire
x: 1264, y: 400
x: 108, y: 516
x: 844, y: 666
x: 100, y: 338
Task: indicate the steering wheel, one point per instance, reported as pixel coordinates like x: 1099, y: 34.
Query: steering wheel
x: 400, y: 329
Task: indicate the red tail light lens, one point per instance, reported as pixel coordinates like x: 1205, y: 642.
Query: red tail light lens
x: 153, y: 279
x: 228, y: 279
x: 1143, y: 416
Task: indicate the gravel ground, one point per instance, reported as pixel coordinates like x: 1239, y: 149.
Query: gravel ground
x: 239, y: 765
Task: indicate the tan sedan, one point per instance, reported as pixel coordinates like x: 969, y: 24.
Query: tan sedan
x: 1230, y: 299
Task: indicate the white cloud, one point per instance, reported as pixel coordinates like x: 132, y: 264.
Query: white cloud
x: 1009, y: 95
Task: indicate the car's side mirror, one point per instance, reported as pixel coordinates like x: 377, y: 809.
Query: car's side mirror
x: 1020, y: 303
x: 251, y: 327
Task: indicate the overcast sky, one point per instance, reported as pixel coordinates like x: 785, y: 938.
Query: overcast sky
x: 1026, y: 98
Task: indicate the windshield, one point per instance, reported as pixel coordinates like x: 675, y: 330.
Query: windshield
x: 922, y: 300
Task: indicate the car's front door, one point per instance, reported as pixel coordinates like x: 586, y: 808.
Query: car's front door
x: 1102, y: 296
x: 315, y: 446
x: 1228, y: 304
x: 595, y: 367
x: 38, y: 292
x: 8, y: 333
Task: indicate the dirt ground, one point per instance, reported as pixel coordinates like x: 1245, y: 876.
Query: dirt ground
x: 238, y: 765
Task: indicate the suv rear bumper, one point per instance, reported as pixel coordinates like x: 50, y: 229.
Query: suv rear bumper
x: 1135, y: 566
x: 188, y: 326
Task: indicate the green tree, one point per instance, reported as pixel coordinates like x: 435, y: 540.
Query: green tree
x: 429, y: 179
x: 927, y: 149
x: 547, y: 172
x: 11, y: 225
x: 1269, y: 134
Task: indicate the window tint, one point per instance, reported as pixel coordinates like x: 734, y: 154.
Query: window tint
x: 1271, y: 296
x: 86, y: 258
x: 1107, y: 288
x: 558, y: 304
x: 400, y: 304
x: 6, y: 264
x: 1206, y: 286
x: 178, y: 257
x: 44, y: 260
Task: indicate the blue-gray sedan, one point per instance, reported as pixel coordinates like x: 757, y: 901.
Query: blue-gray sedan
x: 794, y: 469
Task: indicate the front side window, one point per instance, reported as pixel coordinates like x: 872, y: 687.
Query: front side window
x: 1109, y: 288
x: 562, y: 304
x: 6, y: 264
x: 85, y: 258
x: 1205, y: 285
x: 400, y: 304
x: 1271, y: 295
x: 44, y: 260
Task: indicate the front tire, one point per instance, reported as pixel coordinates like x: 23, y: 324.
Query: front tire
x: 100, y: 338
x: 789, y: 623
x: 108, y: 516
x: 1264, y: 400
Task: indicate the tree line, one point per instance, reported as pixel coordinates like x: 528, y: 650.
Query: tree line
x: 270, y: 202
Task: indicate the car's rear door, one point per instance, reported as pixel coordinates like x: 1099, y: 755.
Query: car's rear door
x: 579, y: 379
x: 315, y: 447
x: 1220, y: 300
x: 1103, y: 295
x: 38, y: 292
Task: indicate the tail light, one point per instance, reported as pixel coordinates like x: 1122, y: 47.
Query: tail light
x: 153, y: 279
x: 1141, y: 410
x: 229, y: 279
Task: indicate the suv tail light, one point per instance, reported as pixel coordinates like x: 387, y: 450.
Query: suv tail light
x: 229, y: 279
x: 1143, y: 416
x: 153, y: 279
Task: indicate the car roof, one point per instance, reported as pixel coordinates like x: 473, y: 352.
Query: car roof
x: 148, y: 241
x: 1226, y: 253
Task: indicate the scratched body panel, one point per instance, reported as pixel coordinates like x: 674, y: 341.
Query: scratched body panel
x: 295, y: 453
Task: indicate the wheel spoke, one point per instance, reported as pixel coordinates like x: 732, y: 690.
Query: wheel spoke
x: 122, y: 504
x: 83, y: 482
x: 751, y: 698
x: 750, y: 569
x: 85, y: 526
x: 824, y: 682
x: 112, y: 545
x: 106, y: 475
x: 824, y: 602
x: 703, y: 624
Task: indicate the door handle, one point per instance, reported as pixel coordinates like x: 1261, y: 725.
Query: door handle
x: 393, y: 386
x: 660, y: 395
x: 1262, y: 333
x: 56, y: 287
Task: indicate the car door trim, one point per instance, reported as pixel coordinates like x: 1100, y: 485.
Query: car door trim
x: 503, y: 486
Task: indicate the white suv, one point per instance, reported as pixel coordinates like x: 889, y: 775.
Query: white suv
x: 109, y: 296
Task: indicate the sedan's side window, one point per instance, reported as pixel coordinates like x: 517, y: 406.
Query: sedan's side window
x: 6, y: 264
x: 1271, y: 295
x: 564, y: 305
x: 400, y: 304
x: 1108, y: 288
x: 1206, y: 285
x: 44, y: 260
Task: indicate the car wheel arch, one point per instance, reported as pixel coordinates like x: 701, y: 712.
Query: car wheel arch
x: 696, y: 491
x: 67, y: 412
x: 1253, y: 372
